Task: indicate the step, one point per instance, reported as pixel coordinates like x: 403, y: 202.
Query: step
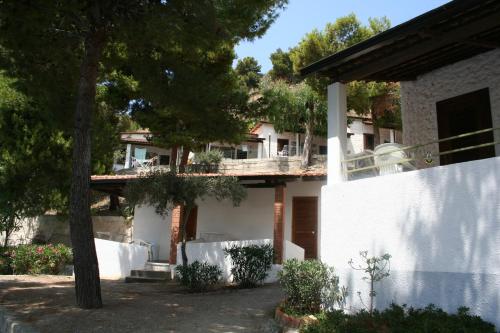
x: 150, y: 274
x: 138, y: 279
x: 157, y: 266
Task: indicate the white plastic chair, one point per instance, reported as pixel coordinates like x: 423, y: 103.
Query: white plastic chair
x: 391, y: 160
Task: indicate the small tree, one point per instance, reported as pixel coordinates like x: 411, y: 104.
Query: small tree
x: 165, y: 190
x: 376, y: 269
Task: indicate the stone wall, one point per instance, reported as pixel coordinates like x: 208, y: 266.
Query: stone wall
x: 272, y: 165
x: 55, y: 229
x: 419, y: 97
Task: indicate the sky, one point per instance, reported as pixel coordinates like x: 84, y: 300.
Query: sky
x: 302, y: 16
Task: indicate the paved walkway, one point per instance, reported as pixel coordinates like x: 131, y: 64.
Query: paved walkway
x: 47, y: 303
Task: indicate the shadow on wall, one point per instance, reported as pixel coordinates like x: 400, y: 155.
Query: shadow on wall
x: 452, y: 230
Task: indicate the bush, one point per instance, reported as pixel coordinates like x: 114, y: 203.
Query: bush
x: 5, y: 261
x: 250, y: 263
x: 401, y: 319
x: 206, y: 162
x: 40, y: 259
x: 309, y: 286
x: 213, y: 157
x: 198, y: 276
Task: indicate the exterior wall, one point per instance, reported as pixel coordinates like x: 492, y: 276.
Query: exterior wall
x: 153, y: 228
x: 55, y: 229
x: 218, y: 221
x: 419, y: 97
x: 268, y: 129
x: 441, y: 226
x: 355, y: 142
x: 213, y: 253
x: 116, y: 260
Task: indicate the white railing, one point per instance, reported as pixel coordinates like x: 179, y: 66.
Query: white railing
x: 394, y: 158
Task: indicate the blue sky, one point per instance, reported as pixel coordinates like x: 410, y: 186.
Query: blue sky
x: 302, y: 16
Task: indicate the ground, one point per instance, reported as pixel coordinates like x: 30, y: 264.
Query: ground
x: 48, y: 304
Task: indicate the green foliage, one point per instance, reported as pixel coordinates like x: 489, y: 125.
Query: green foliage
x: 40, y: 259
x: 291, y: 106
x: 249, y: 71
x: 5, y: 261
x: 198, y: 277
x: 401, y: 319
x: 282, y: 67
x: 375, y: 268
x: 310, y: 286
x: 250, y: 263
x: 164, y: 190
x: 207, y: 160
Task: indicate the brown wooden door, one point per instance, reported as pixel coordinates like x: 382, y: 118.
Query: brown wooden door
x: 305, y: 225
x: 192, y: 224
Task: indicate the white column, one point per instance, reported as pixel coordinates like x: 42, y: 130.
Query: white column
x: 128, y: 156
x: 392, y: 138
x: 337, y: 131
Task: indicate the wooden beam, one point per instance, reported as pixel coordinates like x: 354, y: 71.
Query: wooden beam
x: 279, y: 223
x: 460, y: 34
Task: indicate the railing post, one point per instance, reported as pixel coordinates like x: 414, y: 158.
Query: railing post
x: 337, y: 131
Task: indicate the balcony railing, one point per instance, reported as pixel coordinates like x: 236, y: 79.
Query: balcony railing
x: 394, y: 158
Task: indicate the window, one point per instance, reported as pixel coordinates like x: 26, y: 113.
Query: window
x: 323, y: 150
x: 464, y: 114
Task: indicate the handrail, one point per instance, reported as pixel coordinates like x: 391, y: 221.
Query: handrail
x: 415, y: 147
x: 460, y: 136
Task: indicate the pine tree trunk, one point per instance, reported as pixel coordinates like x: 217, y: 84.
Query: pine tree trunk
x: 376, y: 131
x: 184, y: 159
x: 173, y: 158
x: 185, y: 219
x: 306, y: 154
x: 87, y: 283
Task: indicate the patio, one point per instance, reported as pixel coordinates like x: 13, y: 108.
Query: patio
x: 47, y: 303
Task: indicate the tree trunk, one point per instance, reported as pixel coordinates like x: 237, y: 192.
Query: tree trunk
x: 184, y: 159
x: 376, y: 131
x: 185, y: 219
x: 87, y: 283
x: 173, y: 158
x: 114, y: 203
x: 306, y: 153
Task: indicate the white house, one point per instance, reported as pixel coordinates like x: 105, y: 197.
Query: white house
x: 440, y: 223
x: 440, y: 220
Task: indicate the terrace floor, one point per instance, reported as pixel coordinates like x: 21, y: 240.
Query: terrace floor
x: 47, y: 303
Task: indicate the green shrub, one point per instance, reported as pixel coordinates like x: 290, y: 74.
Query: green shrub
x: 206, y: 162
x: 198, y: 276
x: 401, y: 319
x: 40, y: 259
x: 309, y: 286
x: 5, y: 261
x: 250, y: 263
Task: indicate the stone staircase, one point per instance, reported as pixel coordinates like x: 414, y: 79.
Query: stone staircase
x: 154, y: 271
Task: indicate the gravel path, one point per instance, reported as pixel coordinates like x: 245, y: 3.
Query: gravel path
x: 47, y: 303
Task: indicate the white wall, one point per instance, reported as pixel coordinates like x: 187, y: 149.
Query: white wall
x: 116, y: 260
x: 152, y: 228
x: 213, y: 254
x: 268, y: 129
x: 441, y: 225
x: 253, y: 219
x: 356, y: 142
